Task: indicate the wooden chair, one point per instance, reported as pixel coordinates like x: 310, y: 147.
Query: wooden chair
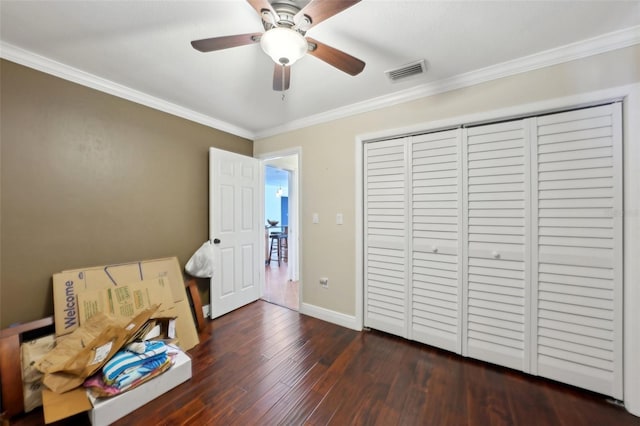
x: 274, y: 247
x: 196, y: 302
x: 283, y: 248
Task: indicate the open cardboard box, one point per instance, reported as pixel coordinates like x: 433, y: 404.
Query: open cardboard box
x: 67, y: 285
x: 108, y: 410
x: 164, y: 280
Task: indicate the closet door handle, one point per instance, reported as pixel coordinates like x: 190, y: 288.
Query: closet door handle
x: 496, y: 255
x: 434, y: 249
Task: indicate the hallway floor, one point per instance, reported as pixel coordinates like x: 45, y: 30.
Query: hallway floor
x: 278, y: 289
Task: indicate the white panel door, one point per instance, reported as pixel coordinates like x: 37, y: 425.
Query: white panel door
x: 497, y: 248
x: 578, y: 261
x: 236, y: 229
x: 386, y: 236
x: 436, y: 274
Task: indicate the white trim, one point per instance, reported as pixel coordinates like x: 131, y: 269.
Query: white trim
x: 263, y: 254
x: 348, y: 321
x: 533, y: 108
x: 631, y: 159
x: 359, y: 242
x: 631, y: 249
x: 58, y: 69
x: 581, y: 49
x: 593, y: 46
x: 293, y: 272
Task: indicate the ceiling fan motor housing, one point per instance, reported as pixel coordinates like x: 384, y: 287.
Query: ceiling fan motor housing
x: 285, y: 15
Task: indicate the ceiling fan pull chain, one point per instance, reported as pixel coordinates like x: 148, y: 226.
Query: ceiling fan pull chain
x: 283, y: 88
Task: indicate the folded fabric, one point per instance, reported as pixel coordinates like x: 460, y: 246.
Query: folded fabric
x: 132, y: 374
x: 99, y: 389
x: 126, y: 360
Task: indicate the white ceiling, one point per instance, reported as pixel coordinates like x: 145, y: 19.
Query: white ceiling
x: 274, y: 176
x: 141, y: 50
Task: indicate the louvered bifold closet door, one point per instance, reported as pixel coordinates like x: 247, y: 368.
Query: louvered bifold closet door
x: 385, y: 239
x: 497, y: 202
x: 436, y: 276
x: 578, y: 226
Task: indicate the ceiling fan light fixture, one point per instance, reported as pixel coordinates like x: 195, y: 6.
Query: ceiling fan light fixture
x: 284, y: 45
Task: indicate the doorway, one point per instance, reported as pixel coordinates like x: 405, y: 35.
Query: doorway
x: 281, y: 201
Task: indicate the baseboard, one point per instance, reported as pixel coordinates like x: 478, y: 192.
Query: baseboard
x: 348, y: 321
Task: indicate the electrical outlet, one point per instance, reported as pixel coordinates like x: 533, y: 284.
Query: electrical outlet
x: 324, y: 282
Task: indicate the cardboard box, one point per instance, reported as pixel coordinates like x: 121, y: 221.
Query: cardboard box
x: 108, y: 410
x: 163, y: 328
x: 67, y: 285
x: 125, y: 301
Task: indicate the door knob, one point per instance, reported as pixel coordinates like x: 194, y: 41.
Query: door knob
x: 216, y: 241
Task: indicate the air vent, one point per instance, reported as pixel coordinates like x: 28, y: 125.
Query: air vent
x: 406, y: 71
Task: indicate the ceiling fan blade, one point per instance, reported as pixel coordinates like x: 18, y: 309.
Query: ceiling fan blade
x: 225, y: 42
x: 337, y: 58
x: 319, y: 10
x: 260, y: 5
x: 281, y: 78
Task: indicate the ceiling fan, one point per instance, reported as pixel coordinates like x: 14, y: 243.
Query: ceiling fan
x: 284, y: 40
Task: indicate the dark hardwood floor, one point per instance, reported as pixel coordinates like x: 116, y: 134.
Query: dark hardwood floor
x: 265, y: 364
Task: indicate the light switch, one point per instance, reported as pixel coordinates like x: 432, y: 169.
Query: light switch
x: 339, y: 219
x: 316, y: 218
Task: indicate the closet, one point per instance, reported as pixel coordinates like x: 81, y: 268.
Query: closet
x: 503, y: 242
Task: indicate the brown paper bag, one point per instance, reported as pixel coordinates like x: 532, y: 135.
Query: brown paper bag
x: 30, y: 353
x: 88, y: 348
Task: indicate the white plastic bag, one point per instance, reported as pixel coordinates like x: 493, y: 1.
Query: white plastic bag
x: 201, y: 264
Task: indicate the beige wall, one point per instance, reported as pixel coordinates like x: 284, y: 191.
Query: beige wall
x: 328, y: 157
x: 329, y: 182
x: 87, y: 178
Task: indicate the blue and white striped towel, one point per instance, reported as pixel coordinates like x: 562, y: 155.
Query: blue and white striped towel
x: 126, y: 360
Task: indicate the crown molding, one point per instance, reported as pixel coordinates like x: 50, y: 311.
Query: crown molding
x: 58, y: 69
x: 581, y: 49
x: 589, y: 47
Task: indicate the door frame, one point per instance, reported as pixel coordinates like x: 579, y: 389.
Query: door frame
x: 295, y: 185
